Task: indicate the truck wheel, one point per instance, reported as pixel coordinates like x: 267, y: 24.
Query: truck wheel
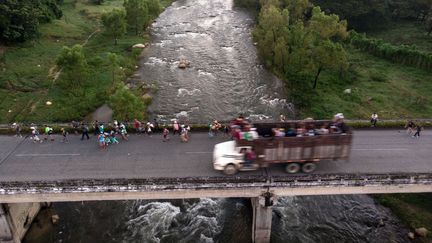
x: 230, y: 169
x: 292, y: 168
x: 309, y: 167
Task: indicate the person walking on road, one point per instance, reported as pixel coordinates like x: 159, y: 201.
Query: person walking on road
x: 65, y: 136
x: 410, y: 127
x: 123, y: 132
x: 137, y: 126
x: 49, y: 133
x: 17, y: 128
x: 176, y: 128
x: 101, y: 139
x: 85, y: 130
x: 96, y: 128
x: 418, y: 130
x: 374, y: 119
x: 34, y: 135
x: 165, y: 133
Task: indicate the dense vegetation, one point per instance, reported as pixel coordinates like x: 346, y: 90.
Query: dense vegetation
x: 20, y: 19
x: 327, y: 69
x: 372, y: 14
x: 74, y: 63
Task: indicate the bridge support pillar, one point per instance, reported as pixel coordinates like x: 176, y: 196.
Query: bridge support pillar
x: 15, y: 220
x: 262, y: 218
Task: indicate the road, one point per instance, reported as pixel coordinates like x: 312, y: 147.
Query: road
x: 374, y: 151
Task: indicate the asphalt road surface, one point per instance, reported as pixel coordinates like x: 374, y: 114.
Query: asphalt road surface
x: 373, y: 151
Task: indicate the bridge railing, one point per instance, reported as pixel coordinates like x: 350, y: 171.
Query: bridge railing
x: 202, y: 183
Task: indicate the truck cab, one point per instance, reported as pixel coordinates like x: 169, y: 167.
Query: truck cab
x: 229, y: 158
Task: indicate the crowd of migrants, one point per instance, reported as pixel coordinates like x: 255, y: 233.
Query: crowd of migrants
x: 106, y: 133
x: 237, y: 129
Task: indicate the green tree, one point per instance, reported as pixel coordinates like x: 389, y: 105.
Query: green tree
x: 19, y: 19
x: 125, y: 104
x: 361, y: 14
x: 114, y: 23
x: 73, y: 64
x: 291, y: 43
x: 325, y: 52
x: 113, y: 60
x: 154, y: 8
x: 272, y: 25
x: 137, y: 14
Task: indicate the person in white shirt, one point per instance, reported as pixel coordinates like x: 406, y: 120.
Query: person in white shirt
x: 374, y: 119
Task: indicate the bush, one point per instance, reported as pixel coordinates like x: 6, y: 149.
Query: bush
x: 402, y: 54
x: 126, y: 105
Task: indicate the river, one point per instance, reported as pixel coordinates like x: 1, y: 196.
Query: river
x: 225, y: 79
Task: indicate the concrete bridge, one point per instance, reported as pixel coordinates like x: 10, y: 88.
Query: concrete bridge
x: 382, y: 161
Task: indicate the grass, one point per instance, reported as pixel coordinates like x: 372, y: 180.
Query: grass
x: 415, y: 210
x: 26, y: 80
x: 406, y: 32
x: 392, y: 90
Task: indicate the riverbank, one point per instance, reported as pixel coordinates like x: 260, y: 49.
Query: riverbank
x: 414, y: 210
x: 29, y: 77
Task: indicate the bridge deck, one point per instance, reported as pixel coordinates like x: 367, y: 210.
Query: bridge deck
x: 148, y: 158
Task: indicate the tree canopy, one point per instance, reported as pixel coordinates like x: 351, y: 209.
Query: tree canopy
x: 20, y: 19
x: 139, y: 13
x: 292, y: 42
x: 73, y: 63
x: 115, y: 23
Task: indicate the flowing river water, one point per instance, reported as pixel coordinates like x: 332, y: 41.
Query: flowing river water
x: 225, y: 79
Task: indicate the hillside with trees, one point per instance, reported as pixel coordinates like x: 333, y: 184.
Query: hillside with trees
x: 76, y: 54
x: 332, y: 59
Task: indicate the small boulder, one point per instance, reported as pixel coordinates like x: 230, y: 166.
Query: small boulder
x: 347, y: 91
x: 183, y: 63
x: 423, y: 232
x: 55, y: 219
x: 411, y: 236
x: 142, y: 46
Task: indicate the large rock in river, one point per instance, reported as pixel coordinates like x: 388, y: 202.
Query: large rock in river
x: 184, y: 63
x: 423, y: 232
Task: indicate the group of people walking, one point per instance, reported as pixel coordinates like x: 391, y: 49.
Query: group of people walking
x: 413, y: 129
x: 240, y: 128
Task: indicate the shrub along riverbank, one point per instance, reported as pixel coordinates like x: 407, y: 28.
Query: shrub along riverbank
x: 31, y: 75
x: 413, y: 209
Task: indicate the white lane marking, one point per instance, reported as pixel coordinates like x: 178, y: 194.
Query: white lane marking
x: 390, y: 149
x: 199, y: 152
x: 44, y: 155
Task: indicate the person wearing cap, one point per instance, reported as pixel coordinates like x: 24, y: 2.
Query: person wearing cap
x: 34, y: 134
x: 340, y: 123
x: 17, y: 129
